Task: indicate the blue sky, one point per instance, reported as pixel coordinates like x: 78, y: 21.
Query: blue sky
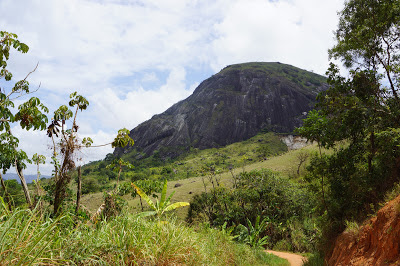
x: 134, y: 59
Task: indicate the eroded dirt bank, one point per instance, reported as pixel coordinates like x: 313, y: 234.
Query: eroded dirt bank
x: 376, y: 242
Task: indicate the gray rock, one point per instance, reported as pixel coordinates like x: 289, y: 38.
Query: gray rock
x: 233, y: 105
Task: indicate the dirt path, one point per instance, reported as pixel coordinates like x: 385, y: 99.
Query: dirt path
x: 294, y: 259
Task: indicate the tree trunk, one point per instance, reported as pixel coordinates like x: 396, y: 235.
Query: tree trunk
x: 141, y: 204
x: 7, y: 196
x: 79, y: 190
x: 39, y: 191
x: 24, y: 185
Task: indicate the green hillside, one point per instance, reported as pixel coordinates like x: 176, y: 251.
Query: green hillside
x: 236, y: 155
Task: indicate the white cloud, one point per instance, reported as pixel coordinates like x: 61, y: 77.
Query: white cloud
x: 128, y: 110
x: 84, y: 44
x: 293, y: 32
x: 34, y: 142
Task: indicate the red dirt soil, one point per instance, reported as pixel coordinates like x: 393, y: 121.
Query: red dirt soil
x: 376, y: 243
x: 293, y: 259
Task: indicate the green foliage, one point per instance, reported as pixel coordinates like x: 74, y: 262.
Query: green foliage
x: 15, y: 192
x: 39, y: 159
x: 148, y: 186
x: 258, y: 193
x: 30, y: 114
x: 254, y: 239
x: 24, y: 238
x: 191, y: 165
x: 123, y: 139
x: 8, y: 41
x: 89, y: 185
x: 361, y: 111
x: 27, y: 238
x: 68, y: 145
x: 162, y: 206
x: 368, y: 34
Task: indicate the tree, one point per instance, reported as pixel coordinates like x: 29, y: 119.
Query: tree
x: 68, y: 144
x: 361, y: 110
x: 368, y: 37
x: 39, y: 159
x: 30, y: 114
x: 116, y: 165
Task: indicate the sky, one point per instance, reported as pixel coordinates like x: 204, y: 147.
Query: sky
x: 132, y: 59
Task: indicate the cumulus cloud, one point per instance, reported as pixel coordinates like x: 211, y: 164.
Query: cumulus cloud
x: 116, y: 110
x: 293, y: 32
x: 84, y: 44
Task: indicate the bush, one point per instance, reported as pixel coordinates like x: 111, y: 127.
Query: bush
x: 285, y: 205
x: 89, y: 185
x: 14, y: 190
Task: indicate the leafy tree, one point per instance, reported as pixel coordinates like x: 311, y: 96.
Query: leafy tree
x: 68, y: 144
x: 29, y: 115
x: 117, y: 164
x: 38, y: 159
x: 15, y: 193
x: 361, y: 111
x: 368, y: 38
x: 90, y: 185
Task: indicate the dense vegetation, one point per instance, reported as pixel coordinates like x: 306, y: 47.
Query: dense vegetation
x: 26, y: 237
x: 362, y: 113
x: 285, y: 206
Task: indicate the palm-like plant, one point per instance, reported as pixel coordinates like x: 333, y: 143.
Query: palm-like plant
x: 255, y: 231
x: 159, y: 207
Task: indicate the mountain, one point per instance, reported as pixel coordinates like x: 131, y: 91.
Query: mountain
x: 28, y: 178
x: 233, y: 105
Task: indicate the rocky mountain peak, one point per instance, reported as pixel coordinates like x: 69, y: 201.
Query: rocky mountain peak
x: 233, y: 105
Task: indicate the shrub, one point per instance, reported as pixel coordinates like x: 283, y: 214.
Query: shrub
x: 258, y: 193
x: 90, y: 185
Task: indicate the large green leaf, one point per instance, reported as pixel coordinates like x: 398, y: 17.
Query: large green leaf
x: 144, y: 196
x: 175, y: 205
x: 163, y: 194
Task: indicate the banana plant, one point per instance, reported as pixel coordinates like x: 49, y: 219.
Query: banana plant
x: 255, y: 231
x: 159, y: 207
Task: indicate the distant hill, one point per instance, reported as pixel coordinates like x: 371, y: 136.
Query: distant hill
x: 28, y: 178
x: 231, y: 106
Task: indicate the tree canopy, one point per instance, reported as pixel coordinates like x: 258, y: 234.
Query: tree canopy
x: 359, y: 115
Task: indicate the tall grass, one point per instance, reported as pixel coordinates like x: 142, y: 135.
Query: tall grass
x: 27, y: 238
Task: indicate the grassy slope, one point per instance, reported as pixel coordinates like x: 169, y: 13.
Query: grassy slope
x: 285, y: 163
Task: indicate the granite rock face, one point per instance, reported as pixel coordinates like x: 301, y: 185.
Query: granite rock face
x: 233, y: 105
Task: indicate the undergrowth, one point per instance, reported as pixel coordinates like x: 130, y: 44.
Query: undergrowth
x: 27, y: 238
